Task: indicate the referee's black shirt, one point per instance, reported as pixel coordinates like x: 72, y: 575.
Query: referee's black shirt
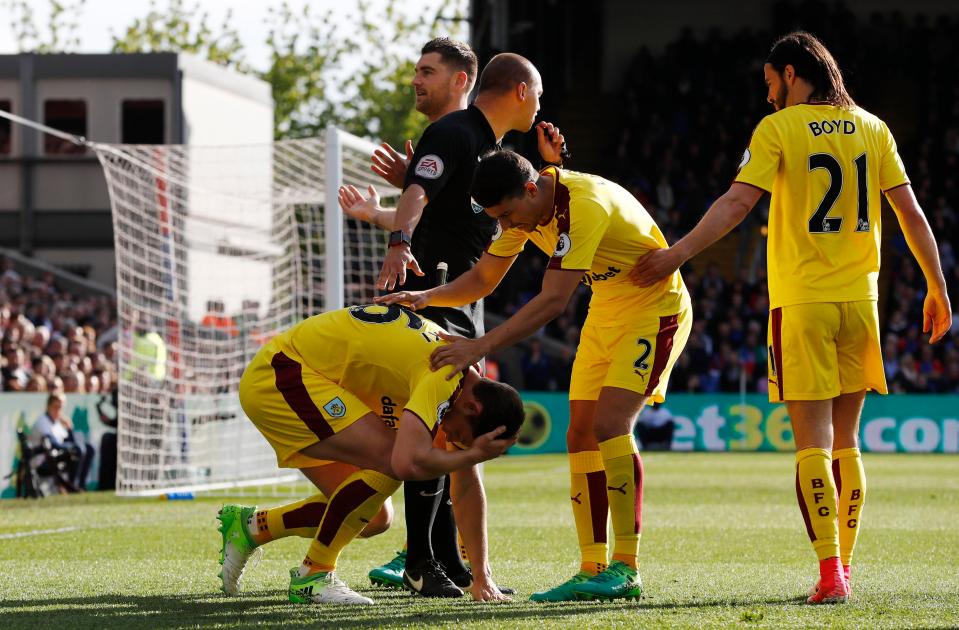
x: 450, y: 230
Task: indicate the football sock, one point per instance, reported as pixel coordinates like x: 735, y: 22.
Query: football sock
x: 353, y: 504
x: 422, y: 499
x: 624, y: 488
x: 850, y: 479
x: 300, y: 518
x: 816, y: 492
x: 443, y: 536
x: 587, y: 493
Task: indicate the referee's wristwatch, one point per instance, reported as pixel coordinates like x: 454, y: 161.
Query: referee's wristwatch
x: 399, y: 237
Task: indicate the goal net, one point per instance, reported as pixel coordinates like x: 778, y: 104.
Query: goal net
x: 217, y: 250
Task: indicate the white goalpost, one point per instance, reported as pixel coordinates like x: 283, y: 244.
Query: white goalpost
x: 217, y: 250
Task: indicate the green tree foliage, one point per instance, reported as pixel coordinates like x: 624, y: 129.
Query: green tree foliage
x: 183, y: 28
x: 321, y: 73
x: 60, y: 34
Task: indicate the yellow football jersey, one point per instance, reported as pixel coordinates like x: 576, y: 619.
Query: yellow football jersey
x: 380, y: 354
x: 600, y: 228
x: 826, y: 168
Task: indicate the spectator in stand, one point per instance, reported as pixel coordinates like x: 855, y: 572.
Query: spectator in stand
x: 55, y: 430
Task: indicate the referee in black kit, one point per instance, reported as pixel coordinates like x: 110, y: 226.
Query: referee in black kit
x: 435, y: 222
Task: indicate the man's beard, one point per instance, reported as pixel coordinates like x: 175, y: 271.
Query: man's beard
x: 432, y: 105
x: 779, y: 102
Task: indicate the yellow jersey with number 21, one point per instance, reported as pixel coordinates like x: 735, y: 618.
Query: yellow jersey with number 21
x: 826, y: 168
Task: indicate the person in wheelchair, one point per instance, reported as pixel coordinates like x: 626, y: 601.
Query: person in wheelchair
x: 57, y: 451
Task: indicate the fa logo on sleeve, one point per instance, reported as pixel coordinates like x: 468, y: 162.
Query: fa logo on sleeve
x: 430, y: 166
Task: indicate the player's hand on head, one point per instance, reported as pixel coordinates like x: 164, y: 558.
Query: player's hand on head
x: 413, y: 299
x: 397, y: 260
x: 355, y: 205
x: 460, y: 353
x: 652, y: 267
x: 490, y: 446
x: 936, y: 315
x: 390, y: 164
x: 550, y: 142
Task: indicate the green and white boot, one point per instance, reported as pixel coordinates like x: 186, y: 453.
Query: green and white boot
x: 237, y: 545
x: 618, y: 581
x: 322, y: 588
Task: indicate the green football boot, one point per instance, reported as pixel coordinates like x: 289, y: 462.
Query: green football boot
x: 563, y: 592
x: 390, y: 574
x: 618, y: 581
x: 323, y: 588
x: 237, y: 545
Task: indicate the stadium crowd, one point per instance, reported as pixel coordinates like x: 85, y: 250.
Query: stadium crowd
x: 53, y: 340
x: 679, y: 143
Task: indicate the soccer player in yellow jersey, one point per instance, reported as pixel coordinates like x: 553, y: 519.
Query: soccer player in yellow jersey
x: 827, y: 163
x: 354, y: 386
x: 594, y: 230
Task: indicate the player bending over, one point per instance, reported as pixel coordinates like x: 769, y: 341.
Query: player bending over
x: 329, y: 390
x: 827, y: 163
x: 595, y: 230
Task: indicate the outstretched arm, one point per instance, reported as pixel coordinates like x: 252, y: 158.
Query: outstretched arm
x: 726, y: 213
x: 469, y: 506
x: 476, y: 283
x: 558, y: 287
x: 936, y: 311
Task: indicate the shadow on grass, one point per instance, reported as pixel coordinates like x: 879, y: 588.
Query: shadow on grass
x: 271, y: 609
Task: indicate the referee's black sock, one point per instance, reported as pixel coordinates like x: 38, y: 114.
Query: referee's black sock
x: 422, y: 498
x: 445, y: 546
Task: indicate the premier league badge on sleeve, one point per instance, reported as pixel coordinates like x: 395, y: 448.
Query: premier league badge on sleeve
x: 441, y: 411
x: 563, y: 245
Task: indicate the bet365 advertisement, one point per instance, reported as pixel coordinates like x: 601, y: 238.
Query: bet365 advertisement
x: 729, y: 422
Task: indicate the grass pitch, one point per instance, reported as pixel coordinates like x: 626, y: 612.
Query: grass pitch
x: 723, y: 546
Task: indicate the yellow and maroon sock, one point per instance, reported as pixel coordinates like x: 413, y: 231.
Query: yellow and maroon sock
x: 816, y: 492
x: 850, y: 479
x: 624, y: 489
x: 353, y: 504
x: 300, y: 518
x: 587, y: 483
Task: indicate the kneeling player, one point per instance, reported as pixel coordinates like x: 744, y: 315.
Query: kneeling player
x: 595, y: 230
x: 312, y: 392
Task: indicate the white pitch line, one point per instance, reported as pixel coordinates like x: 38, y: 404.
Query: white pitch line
x: 38, y: 532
